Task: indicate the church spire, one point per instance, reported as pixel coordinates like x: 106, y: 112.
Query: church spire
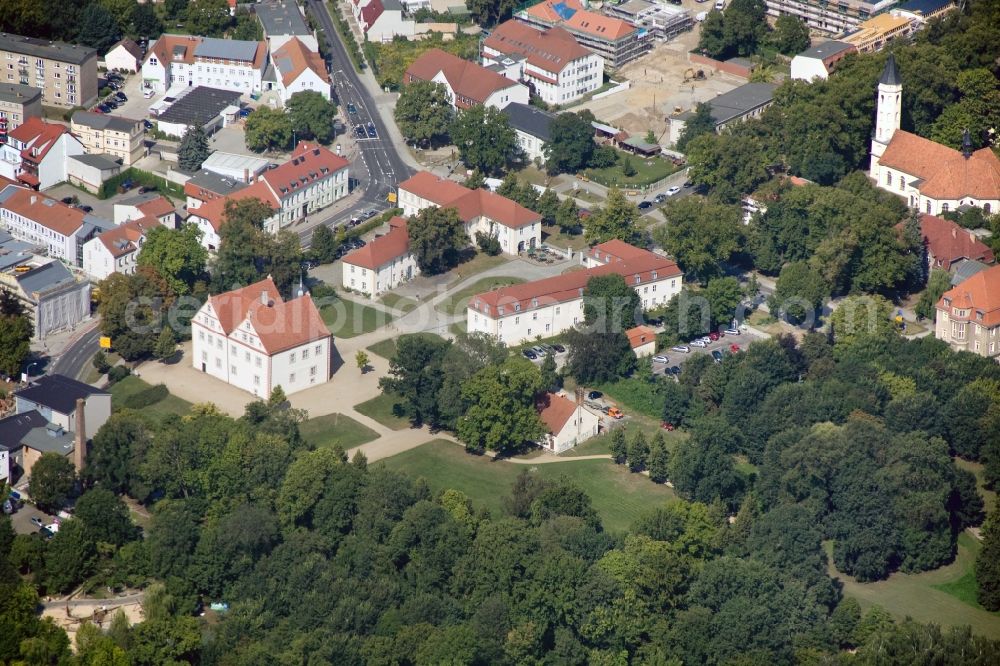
x: 890, y: 74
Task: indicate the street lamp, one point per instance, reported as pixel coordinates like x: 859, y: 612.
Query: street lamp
x: 27, y: 371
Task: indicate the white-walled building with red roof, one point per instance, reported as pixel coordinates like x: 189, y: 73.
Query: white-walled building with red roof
x: 384, y: 263
x: 37, y: 152
x: 312, y: 179
x: 254, y: 340
x: 191, y: 60
x: 467, y: 83
x: 116, y: 250
x: 550, y: 306
x: 567, y: 422
x: 516, y: 228
x: 299, y: 69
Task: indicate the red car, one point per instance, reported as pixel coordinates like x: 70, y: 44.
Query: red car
x: 714, y: 335
x: 734, y: 348
x: 667, y: 426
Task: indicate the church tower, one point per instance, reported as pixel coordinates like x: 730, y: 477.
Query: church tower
x: 890, y: 105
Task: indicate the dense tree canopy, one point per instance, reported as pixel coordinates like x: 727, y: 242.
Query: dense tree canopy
x: 437, y: 236
x: 424, y: 113
x: 485, y: 139
x: 311, y: 115
x: 571, y: 142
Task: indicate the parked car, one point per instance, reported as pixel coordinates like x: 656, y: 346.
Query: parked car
x: 147, y: 124
x: 683, y: 349
x: 559, y: 349
x: 69, y: 201
x: 714, y: 335
x: 37, y: 522
x: 529, y: 354
x: 595, y: 395
x: 687, y: 184
x: 370, y: 214
x: 707, y: 340
x: 86, y: 209
x: 717, y: 355
x: 245, y: 112
x: 660, y: 359
x: 732, y: 331
x: 112, y: 102
x: 103, y: 108
x: 675, y: 370
x: 45, y: 533
x: 148, y: 93
x: 660, y: 198
x: 698, y: 343
x: 351, y: 109
x: 643, y: 205
x: 372, y: 134
x: 673, y: 190
x: 615, y: 413
x: 538, y: 349
x: 121, y: 96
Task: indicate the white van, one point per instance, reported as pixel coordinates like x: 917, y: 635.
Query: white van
x: 720, y: 4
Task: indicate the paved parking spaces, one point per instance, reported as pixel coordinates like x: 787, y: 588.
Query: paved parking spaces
x: 21, y: 520
x: 722, y: 345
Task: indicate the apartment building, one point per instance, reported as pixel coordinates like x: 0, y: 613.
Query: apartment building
x: 614, y: 39
x: 58, y: 229
x: 551, y: 62
x: 117, y: 249
x: 533, y: 128
x: 876, y: 32
x: 832, y: 18
x: 384, y: 263
x: 17, y: 104
x: 550, y: 306
x: 254, y: 340
x: 189, y: 60
x: 102, y: 134
x: 312, y: 179
x: 53, y: 298
x: 662, y: 21
x: 36, y: 153
x: 467, y: 83
x: 968, y: 315
x: 516, y: 228
x: 65, y: 73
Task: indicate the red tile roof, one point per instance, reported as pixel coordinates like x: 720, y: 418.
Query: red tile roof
x: 467, y: 79
x: 555, y: 411
x: 979, y: 294
x: 551, y: 50
x: 582, y: 20
x: 124, y: 238
x: 615, y: 250
x: 280, y: 324
x: 163, y: 48
x: 55, y: 215
x: 309, y: 163
x: 570, y: 286
x: 214, y: 211
x: 947, y: 242
x: 299, y: 60
x: 640, y: 335
x: 157, y: 207
x: 39, y: 135
x: 469, y: 204
x: 382, y: 250
x: 946, y: 173
x: 371, y: 12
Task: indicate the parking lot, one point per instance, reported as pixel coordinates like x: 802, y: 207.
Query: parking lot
x: 22, y: 519
x: 723, y: 345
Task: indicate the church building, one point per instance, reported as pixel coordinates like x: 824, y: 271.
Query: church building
x: 931, y: 177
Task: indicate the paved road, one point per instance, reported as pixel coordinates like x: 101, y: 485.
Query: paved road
x: 77, y: 354
x: 380, y: 166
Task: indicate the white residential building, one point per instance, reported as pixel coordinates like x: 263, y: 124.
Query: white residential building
x: 252, y: 339
x: 124, y: 56
x: 311, y: 180
x: 550, y: 61
x: 642, y: 339
x: 148, y: 204
x: 116, y: 250
x: 567, y: 423
x: 547, y: 307
x: 60, y: 229
x: 533, y: 128
x: 382, y: 20
x: 188, y: 60
x: 515, y: 227
x: 37, y: 152
x: 818, y: 62
x: 467, y: 83
x: 297, y: 69
x: 384, y: 263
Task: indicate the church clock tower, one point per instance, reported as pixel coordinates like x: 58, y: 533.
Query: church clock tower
x: 890, y: 104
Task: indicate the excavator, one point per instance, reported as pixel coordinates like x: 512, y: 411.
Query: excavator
x: 692, y: 75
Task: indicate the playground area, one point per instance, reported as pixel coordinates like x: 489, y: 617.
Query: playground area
x: 70, y: 614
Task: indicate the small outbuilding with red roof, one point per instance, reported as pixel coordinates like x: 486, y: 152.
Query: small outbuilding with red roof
x: 567, y: 422
x: 384, y: 263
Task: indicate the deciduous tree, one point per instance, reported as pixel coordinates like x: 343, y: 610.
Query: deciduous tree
x: 571, y: 142
x: 177, y: 255
x: 700, y: 235
x: 437, y: 235
x: 311, y: 115
x: 98, y: 28
x: 323, y: 245
x: 616, y: 219
x: 105, y: 517
x: 208, y: 17
x: 485, y: 139
x: 268, y: 129
x: 415, y: 376
x: 52, y: 481
x: 988, y: 564
x: 424, y: 113
x: 698, y: 124
x: 15, y: 343
x: 502, y: 415
x: 791, y: 35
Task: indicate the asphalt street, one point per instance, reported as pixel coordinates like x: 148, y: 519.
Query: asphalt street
x: 73, y: 359
x: 379, y: 167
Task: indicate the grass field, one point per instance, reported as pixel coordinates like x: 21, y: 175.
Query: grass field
x: 477, y: 264
x: 945, y: 596
x: 457, y: 302
x: 90, y: 373
x: 555, y: 237
x: 635, y: 395
x: 132, y: 385
x: 601, y: 445
x: 618, y: 496
x: 345, y: 318
x: 398, y: 302
x: 380, y: 409
x: 647, y: 171
x: 387, y: 348
x: 333, y: 429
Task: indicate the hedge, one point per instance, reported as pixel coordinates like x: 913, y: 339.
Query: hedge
x: 139, y: 177
x: 347, y: 37
x: 146, y: 397
x: 373, y: 223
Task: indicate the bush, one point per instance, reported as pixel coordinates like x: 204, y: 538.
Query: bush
x: 101, y: 363
x: 603, y: 157
x: 322, y: 291
x: 118, y: 373
x: 146, y: 397
x: 488, y: 243
x: 140, y: 177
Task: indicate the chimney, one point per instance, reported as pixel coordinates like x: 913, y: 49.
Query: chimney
x: 263, y: 297
x: 954, y: 232
x: 579, y: 396
x: 246, y: 175
x: 80, y: 446
x: 34, y: 199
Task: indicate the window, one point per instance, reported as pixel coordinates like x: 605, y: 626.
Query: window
x: 256, y: 380
x: 534, y: 316
x: 291, y: 357
x: 233, y: 350
x: 319, y: 349
x: 517, y: 320
x: 312, y: 371
x: 291, y: 378
x: 305, y: 354
x: 232, y: 369
x: 987, y: 209
x: 888, y: 179
x: 201, y: 335
x: 257, y: 361
x: 944, y: 208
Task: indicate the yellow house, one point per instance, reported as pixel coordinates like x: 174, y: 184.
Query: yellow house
x: 102, y: 134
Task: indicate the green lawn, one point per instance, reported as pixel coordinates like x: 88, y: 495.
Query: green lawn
x: 333, y: 429
x: 387, y: 348
x: 648, y: 170
x: 399, y: 302
x: 90, y: 373
x: 380, y: 409
x: 555, y: 237
x: 601, y: 445
x: 458, y: 301
x: 945, y: 596
x: 618, y: 496
x: 477, y: 264
x: 132, y: 385
x: 634, y: 395
x: 345, y: 318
